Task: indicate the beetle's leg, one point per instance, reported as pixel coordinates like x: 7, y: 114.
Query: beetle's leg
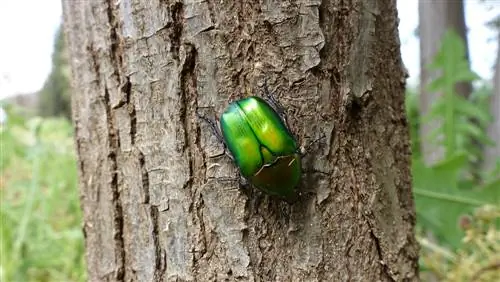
x: 218, y: 134
x: 243, y: 183
x: 213, y: 126
x: 277, y: 106
x: 224, y: 178
x: 219, y: 155
x: 307, y: 192
x: 305, y: 149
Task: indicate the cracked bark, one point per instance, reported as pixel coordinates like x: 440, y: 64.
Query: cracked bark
x: 158, y: 208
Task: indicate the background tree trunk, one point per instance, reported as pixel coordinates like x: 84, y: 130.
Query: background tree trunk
x: 435, y: 18
x: 491, y: 154
x: 155, y: 206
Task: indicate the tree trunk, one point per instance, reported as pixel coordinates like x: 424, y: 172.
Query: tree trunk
x: 158, y: 208
x: 436, y: 17
x: 491, y: 154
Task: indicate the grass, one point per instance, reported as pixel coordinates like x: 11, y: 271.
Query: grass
x: 41, y: 236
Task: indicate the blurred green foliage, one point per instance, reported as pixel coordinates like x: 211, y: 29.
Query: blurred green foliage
x: 445, y: 192
x: 41, y: 236
x: 54, y: 97
x: 477, y: 259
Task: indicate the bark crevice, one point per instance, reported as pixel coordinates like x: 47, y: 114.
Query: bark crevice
x: 159, y: 263
x: 114, y: 145
x: 177, y: 15
x: 379, y: 247
x: 115, y: 57
x: 116, y: 52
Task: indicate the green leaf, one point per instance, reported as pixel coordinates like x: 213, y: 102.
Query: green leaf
x: 470, y: 110
x: 470, y: 129
x: 445, y: 191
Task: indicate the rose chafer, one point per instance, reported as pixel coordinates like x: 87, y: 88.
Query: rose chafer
x: 255, y: 133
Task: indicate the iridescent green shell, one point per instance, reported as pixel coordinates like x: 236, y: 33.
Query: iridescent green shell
x: 262, y: 146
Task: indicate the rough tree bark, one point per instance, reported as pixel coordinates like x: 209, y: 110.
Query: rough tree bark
x: 157, y: 208
x: 435, y: 18
x: 492, y: 153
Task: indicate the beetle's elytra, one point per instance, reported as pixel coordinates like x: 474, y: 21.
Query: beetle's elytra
x: 262, y: 146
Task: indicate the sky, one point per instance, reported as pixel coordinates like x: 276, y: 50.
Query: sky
x: 28, y: 28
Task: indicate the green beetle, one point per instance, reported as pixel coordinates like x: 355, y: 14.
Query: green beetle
x: 261, y: 145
